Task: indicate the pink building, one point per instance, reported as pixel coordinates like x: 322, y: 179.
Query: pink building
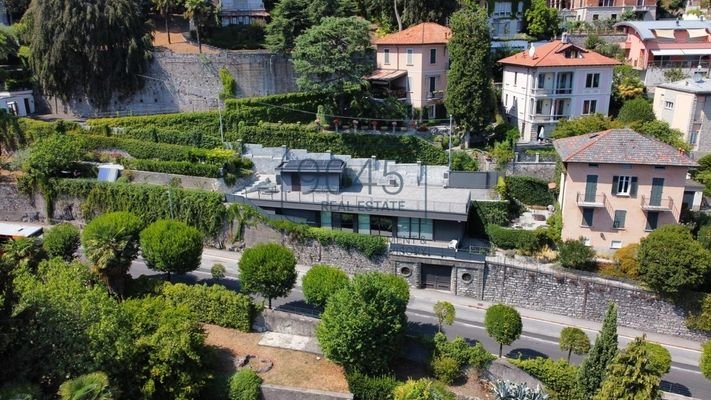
x: 656, y: 46
x: 412, y: 65
x: 619, y: 185
x: 593, y: 10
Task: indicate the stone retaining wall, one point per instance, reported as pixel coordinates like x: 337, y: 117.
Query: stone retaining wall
x: 274, y: 392
x: 285, y: 322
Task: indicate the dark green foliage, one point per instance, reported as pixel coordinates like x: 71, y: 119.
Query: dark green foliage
x: 469, y: 93
x: 592, y: 371
x: 171, y: 246
x: 218, y: 271
x: 701, y: 320
x: 237, y: 37
x: 321, y: 282
x: 161, y: 151
x: 364, y: 324
x: 484, y: 213
x: 503, y: 324
x: 49, y: 156
x: 173, y: 167
x: 446, y: 369
x: 670, y: 260
x: 558, y: 377
x: 268, y: 269
x: 21, y: 391
x: 11, y: 135
x: 636, y: 110
x: 422, y: 389
x: 208, y: 123
x: 177, y: 136
x: 521, y: 239
x: 370, y: 246
x: 575, y: 254
x: 229, y: 86
x: 366, y: 387
x: 91, y: 49
x: 289, y: 19
x: 245, y: 385
x: 541, y: 20
x: 278, y: 107
x: 463, y: 353
x: 705, y: 361
x: 659, y: 358
x: 529, y: 190
x: 582, y: 125
x: 631, y: 375
x: 462, y: 161
x: 574, y: 340
x: 61, y: 241
x: 203, y: 210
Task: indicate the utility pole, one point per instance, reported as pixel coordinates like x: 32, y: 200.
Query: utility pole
x: 222, y: 131
x: 450, y: 142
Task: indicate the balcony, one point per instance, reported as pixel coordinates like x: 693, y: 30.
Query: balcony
x: 551, y: 91
x: 649, y: 204
x: 548, y: 118
x: 435, y: 95
x: 591, y: 200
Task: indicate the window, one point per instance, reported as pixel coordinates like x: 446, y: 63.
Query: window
x: 433, y: 84
x: 613, y: 17
x: 619, y: 221
x: 515, y: 78
x: 466, y: 277
x: 541, y: 81
x: 433, y: 56
x: 414, y: 228
x: 593, y: 165
x: 381, y: 226
x: 409, y: 57
x: 506, y: 100
x: 363, y: 223
x: 386, y: 56
x: 406, y: 271
x: 623, y: 185
x: 596, y: 17
x: 539, y: 106
x: 326, y: 219
x: 592, y: 81
x: 588, y: 214
x: 589, y: 106
x: 652, y: 219
x: 693, y: 137
x: 668, y: 105
x: 344, y: 222
x: 616, y: 244
x: 564, y: 85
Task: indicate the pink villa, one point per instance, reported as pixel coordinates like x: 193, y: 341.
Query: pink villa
x: 619, y: 185
x: 656, y: 46
x: 412, y: 65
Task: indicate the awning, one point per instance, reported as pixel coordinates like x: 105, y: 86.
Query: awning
x: 664, y: 33
x: 668, y: 52
x: 697, y: 52
x: 386, y: 75
x: 694, y: 33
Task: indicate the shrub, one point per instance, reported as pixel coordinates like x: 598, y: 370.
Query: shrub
x: 466, y: 355
x: 626, y: 260
x: 178, y: 135
x: 422, y: 389
x: 366, y: 387
x: 520, y: 239
x: 705, y: 361
x: 171, y: 246
x: 636, y: 110
x: 445, y: 313
x: 558, y: 377
x: 659, y: 358
x: 704, y: 236
x: 62, y: 241
x: 245, y: 385
x: 575, y: 254
x: 701, y: 320
x: 218, y: 271
x: 528, y: 190
x: 159, y: 151
x: 321, y: 282
x: 173, y: 167
x: 484, y: 213
x: 507, y: 390
x: 213, y: 304
x: 446, y: 369
x: 21, y: 391
x: 268, y: 269
x: 371, y: 246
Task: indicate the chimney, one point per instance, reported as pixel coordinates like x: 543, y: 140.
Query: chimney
x: 564, y: 38
x: 698, y: 75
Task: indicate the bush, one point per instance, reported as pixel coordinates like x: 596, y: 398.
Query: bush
x: 422, y: 389
x: 321, y: 282
x: 371, y: 246
x: 626, y: 260
x: 173, y: 167
x: 446, y: 369
x: 214, y: 304
x: 520, y: 239
x: 483, y: 213
x: 659, y: 358
x: 529, y: 191
x: 636, y: 110
x: 705, y: 361
x: 466, y: 355
x: 701, y: 320
x: 177, y: 136
x: 461, y: 161
x: 171, y: 246
x: 268, y: 269
x: 366, y: 387
x: 159, y: 151
x: 575, y: 254
x: 558, y: 377
x: 218, y: 271
x: 245, y: 385
x: 62, y: 241
x: 704, y: 236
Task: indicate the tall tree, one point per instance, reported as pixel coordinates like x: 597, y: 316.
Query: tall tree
x: 542, y: 21
x: 333, y: 56
x: 320, y: 9
x: 438, y: 11
x: 171, y: 246
x: 165, y: 7
x: 445, y: 313
x: 11, y: 136
x: 289, y: 19
x: 592, y: 370
x: 91, y: 49
x: 469, y: 95
x: 268, y: 269
x: 631, y: 375
x: 200, y: 13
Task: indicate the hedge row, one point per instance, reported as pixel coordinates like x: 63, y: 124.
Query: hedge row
x: 558, y: 377
x: 173, y: 167
x: 214, y: 304
x: 160, y: 151
x: 172, y: 136
x: 206, y: 122
x: 520, y: 239
x: 280, y: 107
x: 529, y: 191
x: 203, y: 210
x: 369, y: 245
x: 366, y: 387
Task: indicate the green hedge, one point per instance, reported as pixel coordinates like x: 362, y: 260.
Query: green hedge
x: 206, y: 122
x: 280, y: 107
x: 366, y: 387
x: 520, y: 239
x: 203, y: 210
x: 529, y: 191
x: 173, y: 167
x: 160, y: 151
x: 369, y: 245
x: 558, y: 377
x: 214, y: 304
x: 171, y: 136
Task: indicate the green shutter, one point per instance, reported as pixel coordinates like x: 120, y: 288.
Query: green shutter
x: 633, y: 187
x: 615, y: 181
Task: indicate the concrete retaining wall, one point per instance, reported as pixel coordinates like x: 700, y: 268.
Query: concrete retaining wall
x: 274, y: 392
x: 542, y: 170
x: 287, y: 323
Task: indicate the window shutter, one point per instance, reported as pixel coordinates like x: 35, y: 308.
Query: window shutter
x: 633, y: 187
x: 615, y: 180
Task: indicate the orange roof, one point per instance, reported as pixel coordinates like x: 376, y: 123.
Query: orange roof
x: 424, y: 33
x: 553, y: 55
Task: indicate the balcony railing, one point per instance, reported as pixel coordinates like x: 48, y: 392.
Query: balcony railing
x: 548, y: 118
x: 436, y: 95
x: 550, y: 91
x: 649, y: 204
x: 591, y: 200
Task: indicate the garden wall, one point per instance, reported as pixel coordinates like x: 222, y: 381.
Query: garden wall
x: 274, y: 392
x: 542, y: 170
x: 191, y: 82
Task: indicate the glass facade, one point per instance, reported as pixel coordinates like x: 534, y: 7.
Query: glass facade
x: 415, y: 228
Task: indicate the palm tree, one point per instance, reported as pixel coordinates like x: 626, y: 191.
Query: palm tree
x: 165, y: 6
x: 11, y: 136
x: 198, y: 11
x: 93, y: 386
x: 19, y: 250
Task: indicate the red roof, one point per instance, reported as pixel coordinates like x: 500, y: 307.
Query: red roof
x: 424, y: 33
x: 553, y: 55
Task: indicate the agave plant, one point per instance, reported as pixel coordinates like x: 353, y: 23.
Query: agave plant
x: 93, y: 386
x: 507, y: 390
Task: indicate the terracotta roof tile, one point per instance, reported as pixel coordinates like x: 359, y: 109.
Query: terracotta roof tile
x: 424, y: 33
x: 620, y: 146
x: 553, y: 55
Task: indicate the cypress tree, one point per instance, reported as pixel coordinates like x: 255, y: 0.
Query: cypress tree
x: 592, y: 370
x: 631, y: 375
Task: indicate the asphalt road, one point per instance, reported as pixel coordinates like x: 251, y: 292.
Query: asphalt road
x: 540, y: 338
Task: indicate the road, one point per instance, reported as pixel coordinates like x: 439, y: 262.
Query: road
x: 539, y: 338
